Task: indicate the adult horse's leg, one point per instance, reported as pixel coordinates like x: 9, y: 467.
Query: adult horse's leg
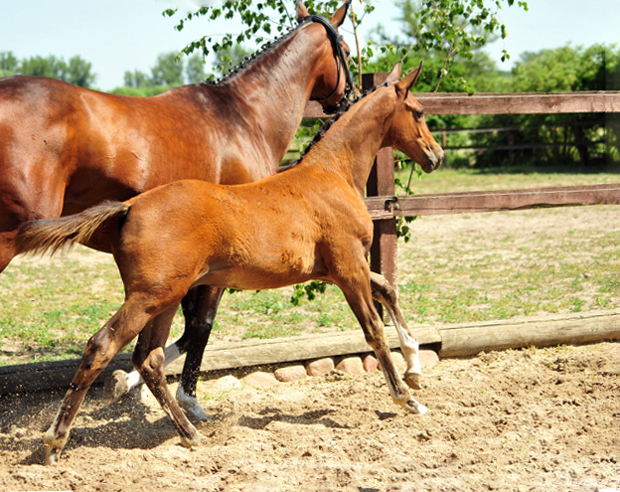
x: 356, y: 289
x: 148, y: 359
x: 199, y: 309
x: 100, y: 349
x: 383, y: 292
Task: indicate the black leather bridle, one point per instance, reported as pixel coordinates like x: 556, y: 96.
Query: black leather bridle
x: 335, y: 39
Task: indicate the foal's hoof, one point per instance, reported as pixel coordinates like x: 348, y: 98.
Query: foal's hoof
x: 116, y: 385
x: 415, y: 407
x: 413, y: 380
x: 52, y: 455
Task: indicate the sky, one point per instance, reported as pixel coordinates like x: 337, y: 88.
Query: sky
x: 125, y: 35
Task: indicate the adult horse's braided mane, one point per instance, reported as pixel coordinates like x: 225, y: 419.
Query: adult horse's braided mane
x: 267, y: 48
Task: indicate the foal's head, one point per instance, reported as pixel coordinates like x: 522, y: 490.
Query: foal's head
x: 408, y: 131
x: 335, y: 81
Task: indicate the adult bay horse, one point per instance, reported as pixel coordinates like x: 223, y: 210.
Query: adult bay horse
x: 64, y: 148
x: 175, y: 237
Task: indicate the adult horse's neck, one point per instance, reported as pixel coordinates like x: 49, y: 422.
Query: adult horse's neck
x: 275, y: 87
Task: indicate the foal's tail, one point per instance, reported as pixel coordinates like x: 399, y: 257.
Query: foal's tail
x: 41, y: 236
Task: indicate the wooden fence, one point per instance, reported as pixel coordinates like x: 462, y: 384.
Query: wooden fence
x: 384, y: 206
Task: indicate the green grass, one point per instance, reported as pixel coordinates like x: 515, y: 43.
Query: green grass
x: 455, y: 269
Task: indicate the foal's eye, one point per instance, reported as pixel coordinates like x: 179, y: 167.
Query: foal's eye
x: 419, y: 114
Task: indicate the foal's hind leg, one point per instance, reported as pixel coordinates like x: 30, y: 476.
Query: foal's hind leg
x: 356, y: 289
x: 383, y: 292
x: 101, y: 348
x: 148, y: 359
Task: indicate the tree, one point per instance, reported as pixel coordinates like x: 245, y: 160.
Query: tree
x: 168, y: 70
x: 229, y: 58
x: 136, y: 79
x: 195, y: 70
x: 567, y: 140
x: 78, y: 71
x: 8, y: 63
x: 51, y: 67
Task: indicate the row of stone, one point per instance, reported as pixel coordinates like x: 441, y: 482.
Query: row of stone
x: 321, y: 367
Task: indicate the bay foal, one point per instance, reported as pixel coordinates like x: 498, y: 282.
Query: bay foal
x: 306, y: 223
x: 64, y: 148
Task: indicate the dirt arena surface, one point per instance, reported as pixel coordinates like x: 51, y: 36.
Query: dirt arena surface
x: 523, y: 420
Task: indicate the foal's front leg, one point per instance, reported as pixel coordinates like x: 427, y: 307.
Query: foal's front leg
x: 383, y: 292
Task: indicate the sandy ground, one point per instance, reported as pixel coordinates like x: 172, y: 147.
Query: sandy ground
x: 533, y: 419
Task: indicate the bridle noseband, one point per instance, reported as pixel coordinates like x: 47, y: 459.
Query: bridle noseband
x: 335, y: 39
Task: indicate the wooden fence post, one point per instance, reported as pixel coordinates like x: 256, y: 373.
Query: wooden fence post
x: 381, y: 183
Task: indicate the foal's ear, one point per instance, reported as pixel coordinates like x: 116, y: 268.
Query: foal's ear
x: 340, y: 15
x: 404, y: 85
x: 302, y: 11
x: 394, y: 75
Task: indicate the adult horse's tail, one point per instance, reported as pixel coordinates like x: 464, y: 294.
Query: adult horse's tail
x: 50, y: 235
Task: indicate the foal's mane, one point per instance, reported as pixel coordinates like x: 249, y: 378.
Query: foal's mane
x: 327, y: 125
x: 266, y: 49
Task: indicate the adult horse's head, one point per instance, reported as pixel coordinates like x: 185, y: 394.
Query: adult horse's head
x: 335, y: 82
x: 408, y: 131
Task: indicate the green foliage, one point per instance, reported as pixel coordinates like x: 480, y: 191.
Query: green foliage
x: 77, y: 71
x: 8, y: 63
x: 447, y: 35
x: 168, y: 70
x: 229, y: 58
x: 586, y: 141
x: 310, y: 289
x: 195, y: 69
x: 261, y: 20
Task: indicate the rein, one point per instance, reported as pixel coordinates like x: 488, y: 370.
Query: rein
x: 335, y: 39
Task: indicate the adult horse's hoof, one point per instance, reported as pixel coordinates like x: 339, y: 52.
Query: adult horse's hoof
x: 116, y: 385
x: 190, y: 406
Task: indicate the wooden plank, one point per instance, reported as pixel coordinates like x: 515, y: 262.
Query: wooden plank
x: 521, y: 103
x: 283, y: 350
x: 315, y: 110
x: 384, y: 249
x: 54, y: 375
x: 540, y: 332
x: 51, y: 375
x: 490, y: 201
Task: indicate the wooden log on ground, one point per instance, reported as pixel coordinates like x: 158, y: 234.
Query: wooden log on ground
x: 596, y: 326
x: 53, y: 375
x: 457, y: 340
x: 281, y: 350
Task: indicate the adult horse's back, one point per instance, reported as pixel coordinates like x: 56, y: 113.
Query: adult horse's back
x: 64, y: 148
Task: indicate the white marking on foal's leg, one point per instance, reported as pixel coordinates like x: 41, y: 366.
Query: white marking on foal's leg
x: 411, y: 352
x: 190, y: 405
